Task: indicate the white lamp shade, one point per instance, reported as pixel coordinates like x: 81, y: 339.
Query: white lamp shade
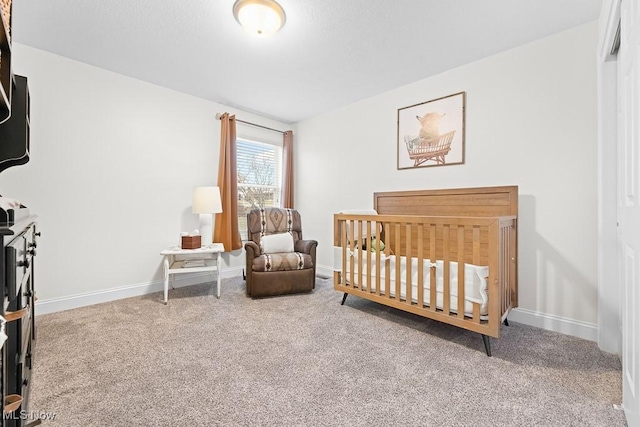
x: 206, y: 200
x: 259, y: 17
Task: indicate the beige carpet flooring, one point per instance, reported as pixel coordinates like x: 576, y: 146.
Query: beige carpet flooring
x: 305, y: 360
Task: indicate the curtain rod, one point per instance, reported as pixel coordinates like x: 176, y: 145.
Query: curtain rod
x: 219, y: 116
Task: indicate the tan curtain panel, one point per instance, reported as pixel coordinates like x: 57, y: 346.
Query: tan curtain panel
x: 226, y: 229
x: 287, y: 170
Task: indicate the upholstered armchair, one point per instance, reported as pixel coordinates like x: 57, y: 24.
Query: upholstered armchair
x: 279, y: 261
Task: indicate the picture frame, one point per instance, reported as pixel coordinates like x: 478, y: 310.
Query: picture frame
x: 432, y: 133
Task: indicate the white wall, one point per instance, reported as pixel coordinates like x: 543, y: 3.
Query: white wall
x: 113, y: 164
x: 530, y: 121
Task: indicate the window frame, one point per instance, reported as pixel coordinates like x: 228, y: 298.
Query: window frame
x: 278, y: 169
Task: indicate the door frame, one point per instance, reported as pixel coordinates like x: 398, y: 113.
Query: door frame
x: 609, y: 292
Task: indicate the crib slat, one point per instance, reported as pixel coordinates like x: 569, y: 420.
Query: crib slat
x: 387, y: 268
x: 507, y: 265
x: 432, y: 282
x: 504, y: 282
x: 513, y: 269
x: 369, y: 253
x: 408, y: 284
x: 476, y: 261
x: 343, y: 241
x: 378, y: 259
x: 360, y: 256
x: 476, y: 312
x: 446, y: 257
x: 461, y: 230
x: 397, y: 246
x: 351, y: 246
x: 503, y: 267
x: 420, y: 265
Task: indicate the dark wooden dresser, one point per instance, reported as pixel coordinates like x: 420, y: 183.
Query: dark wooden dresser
x: 17, y: 265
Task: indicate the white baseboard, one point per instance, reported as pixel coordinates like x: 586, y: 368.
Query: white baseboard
x: 54, y: 305
x: 576, y: 328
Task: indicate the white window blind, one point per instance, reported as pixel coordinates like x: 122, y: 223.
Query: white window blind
x: 259, y: 178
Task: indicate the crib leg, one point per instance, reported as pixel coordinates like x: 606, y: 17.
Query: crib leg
x: 344, y: 298
x: 487, y: 345
x: 506, y: 322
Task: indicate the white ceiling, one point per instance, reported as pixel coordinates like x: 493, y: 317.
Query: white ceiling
x: 329, y: 53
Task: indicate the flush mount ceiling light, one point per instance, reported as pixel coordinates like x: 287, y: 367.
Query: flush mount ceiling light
x: 259, y: 17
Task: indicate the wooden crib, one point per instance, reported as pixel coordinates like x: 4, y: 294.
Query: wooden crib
x: 437, y: 246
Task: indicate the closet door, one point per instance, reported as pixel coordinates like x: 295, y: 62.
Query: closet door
x: 629, y: 203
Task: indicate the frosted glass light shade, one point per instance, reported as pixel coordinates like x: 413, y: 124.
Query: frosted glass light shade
x: 259, y: 17
x: 206, y: 200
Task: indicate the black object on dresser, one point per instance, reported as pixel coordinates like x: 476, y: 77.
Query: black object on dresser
x: 15, y: 132
x: 5, y: 59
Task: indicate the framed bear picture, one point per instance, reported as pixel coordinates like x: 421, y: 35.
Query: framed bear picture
x: 432, y: 133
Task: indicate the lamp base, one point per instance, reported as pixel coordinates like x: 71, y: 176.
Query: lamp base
x: 206, y: 229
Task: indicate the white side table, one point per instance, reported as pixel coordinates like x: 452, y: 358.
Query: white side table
x: 175, y: 259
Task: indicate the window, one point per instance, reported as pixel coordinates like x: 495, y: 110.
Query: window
x: 259, y: 178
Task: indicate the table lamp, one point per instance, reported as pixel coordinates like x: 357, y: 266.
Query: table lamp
x: 206, y: 202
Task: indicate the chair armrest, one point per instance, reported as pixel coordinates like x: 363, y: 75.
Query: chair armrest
x: 252, y: 249
x: 305, y: 246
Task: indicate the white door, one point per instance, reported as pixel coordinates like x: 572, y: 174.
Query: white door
x: 629, y: 204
